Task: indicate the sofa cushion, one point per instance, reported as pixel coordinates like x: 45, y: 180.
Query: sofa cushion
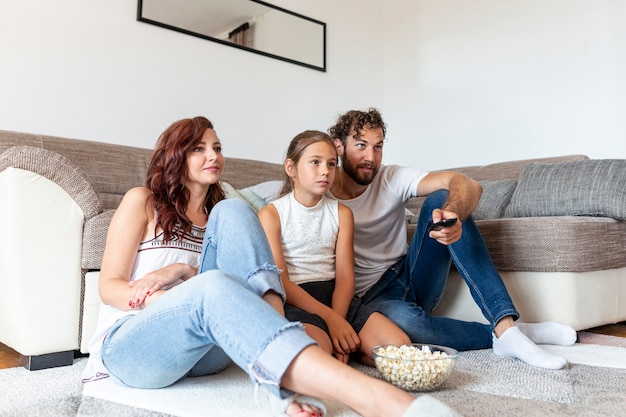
x: 582, y: 188
x: 495, y: 198
x: 555, y: 244
x: 552, y: 244
x: 268, y: 190
x: 248, y: 196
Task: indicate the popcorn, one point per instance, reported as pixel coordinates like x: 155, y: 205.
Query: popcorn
x: 413, y: 368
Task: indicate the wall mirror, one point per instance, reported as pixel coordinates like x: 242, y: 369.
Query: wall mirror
x: 252, y: 25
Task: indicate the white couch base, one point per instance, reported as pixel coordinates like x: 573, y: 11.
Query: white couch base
x: 91, y: 309
x: 579, y: 299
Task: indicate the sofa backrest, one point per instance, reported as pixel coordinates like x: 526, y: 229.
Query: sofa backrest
x: 114, y: 169
x: 509, y: 170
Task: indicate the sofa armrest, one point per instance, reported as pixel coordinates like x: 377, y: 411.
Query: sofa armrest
x: 58, y: 169
x: 42, y: 212
x: 94, y: 240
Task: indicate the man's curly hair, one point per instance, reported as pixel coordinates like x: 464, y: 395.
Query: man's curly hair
x: 354, y: 121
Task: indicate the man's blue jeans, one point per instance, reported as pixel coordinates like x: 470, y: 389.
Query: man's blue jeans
x: 408, y: 292
x: 200, y: 326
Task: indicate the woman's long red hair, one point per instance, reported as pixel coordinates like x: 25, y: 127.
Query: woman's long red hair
x: 167, y: 170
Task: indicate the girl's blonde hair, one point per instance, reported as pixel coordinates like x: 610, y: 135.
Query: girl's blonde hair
x: 297, y: 147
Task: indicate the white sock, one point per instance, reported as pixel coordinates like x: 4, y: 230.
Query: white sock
x: 549, y: 333
x: 514, y: 343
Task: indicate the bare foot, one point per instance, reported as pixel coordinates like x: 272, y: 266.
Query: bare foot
x: 298, y: 406
x: 302, y: 409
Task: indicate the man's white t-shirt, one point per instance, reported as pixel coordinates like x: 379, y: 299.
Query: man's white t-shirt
x: 380, y: 238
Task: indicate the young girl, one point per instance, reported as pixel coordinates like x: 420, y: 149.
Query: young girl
x: 183, y: 273
x: 311, y: 237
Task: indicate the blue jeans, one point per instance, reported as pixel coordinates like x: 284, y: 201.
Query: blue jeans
x: 198, y: 327
x: 408, y: 291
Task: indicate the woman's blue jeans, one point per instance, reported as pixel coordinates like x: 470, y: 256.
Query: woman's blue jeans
x: 199, y: 326
x: 408, y: 292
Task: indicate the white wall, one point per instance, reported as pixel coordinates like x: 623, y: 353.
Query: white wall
x: 485, y: 80
x: 89, y: 70
x: 473, y: 82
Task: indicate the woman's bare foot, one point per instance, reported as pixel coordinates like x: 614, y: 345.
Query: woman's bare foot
x: 297, y: 405
x: 300, y: 408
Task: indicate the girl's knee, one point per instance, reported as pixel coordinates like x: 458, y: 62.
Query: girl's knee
x: 382, y: 331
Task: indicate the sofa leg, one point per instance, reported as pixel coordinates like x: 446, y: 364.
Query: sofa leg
x: 48, y: 360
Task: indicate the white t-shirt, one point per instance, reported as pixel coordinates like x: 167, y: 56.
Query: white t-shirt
x: 380, y: 238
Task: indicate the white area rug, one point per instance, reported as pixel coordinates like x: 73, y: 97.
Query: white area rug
x: 592, y: 355
x: 482, y: 385
x: 231, y: 393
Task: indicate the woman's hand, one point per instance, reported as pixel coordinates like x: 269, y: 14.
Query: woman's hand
x: 152, y: 284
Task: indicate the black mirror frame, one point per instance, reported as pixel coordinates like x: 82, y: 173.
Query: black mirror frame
x: 140, y: 18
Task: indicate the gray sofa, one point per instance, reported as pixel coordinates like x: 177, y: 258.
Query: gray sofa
x: 57, y: 196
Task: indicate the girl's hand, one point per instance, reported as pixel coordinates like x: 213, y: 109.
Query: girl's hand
x: 342, y: 357
x: 342, y: 334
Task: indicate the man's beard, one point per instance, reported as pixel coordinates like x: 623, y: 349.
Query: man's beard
x: 352, y: 171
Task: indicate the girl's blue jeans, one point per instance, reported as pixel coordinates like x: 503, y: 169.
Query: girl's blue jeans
x: 408, y: 291
x: 198, y: 327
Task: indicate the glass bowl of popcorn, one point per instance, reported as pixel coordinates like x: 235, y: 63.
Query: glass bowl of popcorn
x: 415, y: 367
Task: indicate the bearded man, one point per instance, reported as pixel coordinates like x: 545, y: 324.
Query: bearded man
x: 406, y: 282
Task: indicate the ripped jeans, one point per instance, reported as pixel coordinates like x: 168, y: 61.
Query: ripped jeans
x: 198, y: 327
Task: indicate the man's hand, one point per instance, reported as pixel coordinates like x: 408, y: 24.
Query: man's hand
x: 447, y: 235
